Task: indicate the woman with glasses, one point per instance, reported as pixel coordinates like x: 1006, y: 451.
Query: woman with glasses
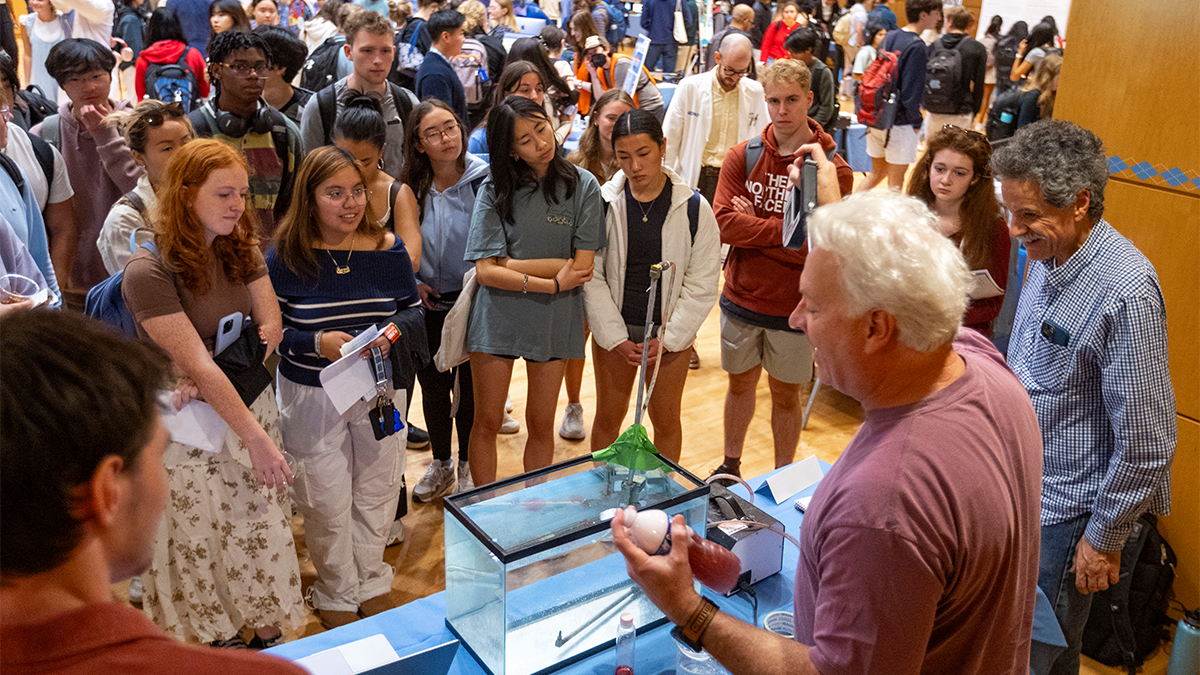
x: 361, y: 131
x: 445, y: 178
x: 955, y: 179
x: 652, y: 216
x: 338, y: 272
x: 154, y: 131
x: 224, y: 559
x: 535, y: 229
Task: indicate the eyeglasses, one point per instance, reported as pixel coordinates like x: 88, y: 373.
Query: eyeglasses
x: 969, y: 133
x: 155, y: 120
x: 249, y: 69
x: 734, y: 73
x: 339, y: 196
x: 436, y: 135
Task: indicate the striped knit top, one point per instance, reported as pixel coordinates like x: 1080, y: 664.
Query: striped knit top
x: 379, y: 285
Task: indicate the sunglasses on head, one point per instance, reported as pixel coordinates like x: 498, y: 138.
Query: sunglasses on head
x: 156, y: 119
x: 969, y: 133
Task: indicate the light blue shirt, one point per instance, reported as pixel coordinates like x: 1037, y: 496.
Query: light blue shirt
x: 1104, y: 399
x: 22, y: 213
x: 444, y: 228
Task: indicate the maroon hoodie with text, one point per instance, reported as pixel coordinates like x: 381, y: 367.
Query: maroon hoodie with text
x: 760, y: 274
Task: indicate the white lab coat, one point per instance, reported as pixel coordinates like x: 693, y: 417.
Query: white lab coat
x: 689, y: 120
x: 687, y: 303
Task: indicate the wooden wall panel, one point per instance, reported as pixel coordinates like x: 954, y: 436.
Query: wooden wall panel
x: 1140, y: 93
x: 1182, y: 527
x: 1165, y: 226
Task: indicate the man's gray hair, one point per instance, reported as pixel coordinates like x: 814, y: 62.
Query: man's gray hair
x: 895, y: 260
x: 1064, y: 159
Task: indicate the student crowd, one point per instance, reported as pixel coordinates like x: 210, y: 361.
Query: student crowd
x: 426, y: 170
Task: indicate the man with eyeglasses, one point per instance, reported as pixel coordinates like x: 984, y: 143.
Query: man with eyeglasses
x: 712, y: 112
x: 237, y: 115
x: 99, y: 163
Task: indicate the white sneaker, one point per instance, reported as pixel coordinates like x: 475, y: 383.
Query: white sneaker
x: 508, y: 406
x: 572, y: 424
x: 510, y: 425
x: 438, y: 477
x: 135, y: 590
x: 396, y: 535
x: 464, y: 478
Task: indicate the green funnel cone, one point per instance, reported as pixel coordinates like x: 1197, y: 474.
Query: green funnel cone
x: 634, y: 450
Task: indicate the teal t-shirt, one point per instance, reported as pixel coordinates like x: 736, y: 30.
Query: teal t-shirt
x: 534, y: 326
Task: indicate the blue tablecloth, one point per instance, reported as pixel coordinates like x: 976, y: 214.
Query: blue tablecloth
x: 852, y: 146
x: 421, y: 624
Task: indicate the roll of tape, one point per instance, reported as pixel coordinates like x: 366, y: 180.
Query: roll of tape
x: 780, y: 623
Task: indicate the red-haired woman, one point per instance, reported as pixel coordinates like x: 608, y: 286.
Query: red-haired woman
x: 224, y: 557
x: 953, y: 177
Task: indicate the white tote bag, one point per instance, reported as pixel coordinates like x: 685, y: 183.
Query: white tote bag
x: 680, y: 31
x: 453, y: 351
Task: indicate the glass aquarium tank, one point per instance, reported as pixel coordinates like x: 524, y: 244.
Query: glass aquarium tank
x: 533, y: 580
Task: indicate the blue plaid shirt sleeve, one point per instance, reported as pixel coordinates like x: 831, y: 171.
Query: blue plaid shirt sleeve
x: 1137, y: 394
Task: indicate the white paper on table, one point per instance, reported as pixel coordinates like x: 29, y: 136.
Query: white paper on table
x: 197, y: 424
x: 347, y: 380
x: 985, y: 286
x: 793, y: 479
x: 353, y: 657
x: 361, y: 340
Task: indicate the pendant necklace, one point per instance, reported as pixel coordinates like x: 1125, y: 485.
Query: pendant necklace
x: 645, y: 213
x: 342, y: 269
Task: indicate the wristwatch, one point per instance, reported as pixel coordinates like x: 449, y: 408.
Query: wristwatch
x: 692, y: 630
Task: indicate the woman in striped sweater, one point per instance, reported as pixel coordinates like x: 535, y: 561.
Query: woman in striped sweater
x: 337, y: 272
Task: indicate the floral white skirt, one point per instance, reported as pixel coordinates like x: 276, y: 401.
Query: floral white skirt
x: 224, y: 557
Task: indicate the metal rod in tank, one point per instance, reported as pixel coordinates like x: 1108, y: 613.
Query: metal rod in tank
x: 562, y: 640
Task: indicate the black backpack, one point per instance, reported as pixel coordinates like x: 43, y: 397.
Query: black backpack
x: 1002, y: 118
x: 320, y: 70
x: 1004, y: 55
x: 38, y: 105
x: 944, y: 93
x: 173, y: 82
x: 1129, y: 620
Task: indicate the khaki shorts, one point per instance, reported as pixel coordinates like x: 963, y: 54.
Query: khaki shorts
x: 900, y: 148
x: 786, y: 356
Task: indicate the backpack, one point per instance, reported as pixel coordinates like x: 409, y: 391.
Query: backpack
x: 104, y: 300
x: 693, y: 213
x: 471, y: 67
x: 1129, y: 620
x: 877, y: 91
x: 754, y: 151
x: 841, y: 30
x: 618, y: 24
x: 943, y: 79
x: 409, y: 56
x: 327, y: 107
x: 173, y: 82
x: 1002, y: 118
x: 39, y: 106
x: 45, y: 158
x: 320, y: 70
x: 1004, y: 55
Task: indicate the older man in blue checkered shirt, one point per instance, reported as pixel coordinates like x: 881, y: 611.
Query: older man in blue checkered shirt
x: 1090, y: 345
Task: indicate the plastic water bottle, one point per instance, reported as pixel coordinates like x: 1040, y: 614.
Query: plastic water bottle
x: 626, y: 635
x: 1185, y: 653
x: 689, y: 662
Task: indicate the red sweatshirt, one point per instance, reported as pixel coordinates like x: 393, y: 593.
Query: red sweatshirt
x: 168, y: 51
x: 760, y: 274
x: 772, y: 44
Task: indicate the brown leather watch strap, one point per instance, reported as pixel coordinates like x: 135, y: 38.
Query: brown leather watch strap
x: 693, y: 629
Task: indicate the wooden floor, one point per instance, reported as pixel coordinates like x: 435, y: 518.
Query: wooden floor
x: 419, y: 560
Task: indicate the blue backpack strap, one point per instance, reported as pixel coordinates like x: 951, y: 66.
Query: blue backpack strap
x: 693, y: 213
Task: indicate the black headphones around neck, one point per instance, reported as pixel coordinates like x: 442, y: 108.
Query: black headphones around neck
x: 235, y: 126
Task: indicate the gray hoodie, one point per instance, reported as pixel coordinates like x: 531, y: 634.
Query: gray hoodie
x: 444, y: 229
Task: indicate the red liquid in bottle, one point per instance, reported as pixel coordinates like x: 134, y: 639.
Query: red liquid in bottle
x: 624, y: 670
x: 713, y: 565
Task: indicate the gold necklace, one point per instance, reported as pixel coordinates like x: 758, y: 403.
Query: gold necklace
x: 645, y: 213
x: 342, y: 269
